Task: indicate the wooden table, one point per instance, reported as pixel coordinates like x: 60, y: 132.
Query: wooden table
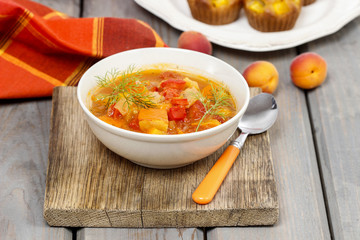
x: 315, y: 145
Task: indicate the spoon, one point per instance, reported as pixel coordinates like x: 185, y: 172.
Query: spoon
x: 260, y: 115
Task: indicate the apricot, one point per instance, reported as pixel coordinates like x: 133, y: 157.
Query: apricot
x: 308, y: 70
x: 262, y: 74
x: 196, y: 41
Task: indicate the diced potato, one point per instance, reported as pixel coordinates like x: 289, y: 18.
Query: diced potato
x: 191, y: 94
x: 149, y: 126
x: 122, y: 106
x: 153, y: 120
x: 191, y: 84
x: 156, y: 131
x: 156, y: 97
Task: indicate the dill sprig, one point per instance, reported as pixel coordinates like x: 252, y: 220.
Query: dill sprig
x: 125, y: 84
x: 219, y: 98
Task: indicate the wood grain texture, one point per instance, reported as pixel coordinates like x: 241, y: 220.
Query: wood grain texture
x: 88, y: 185
x: 335, y: 113
x: 24, y: 138
x: 140, y: 234
x: 302, y: 210
x: 69, y: 7
x: 129, y: 9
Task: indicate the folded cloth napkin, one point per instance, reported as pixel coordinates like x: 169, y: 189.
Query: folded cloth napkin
x: 41, y: 48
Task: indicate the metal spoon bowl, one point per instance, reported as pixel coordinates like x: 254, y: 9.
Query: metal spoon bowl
x: 259, y: 117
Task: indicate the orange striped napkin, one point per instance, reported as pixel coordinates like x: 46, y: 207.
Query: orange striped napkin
x: 41, y: 48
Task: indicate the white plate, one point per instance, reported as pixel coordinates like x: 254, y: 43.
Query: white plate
x: 319, y: 19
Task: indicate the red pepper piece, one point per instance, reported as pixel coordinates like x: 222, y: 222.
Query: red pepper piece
x: 179, y: 101
x: 196, y: 111
x: 177, y: 113
x: 173, y: 83
x: 134, y: 124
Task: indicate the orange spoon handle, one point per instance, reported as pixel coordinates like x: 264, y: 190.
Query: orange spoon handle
x: 212, y: 181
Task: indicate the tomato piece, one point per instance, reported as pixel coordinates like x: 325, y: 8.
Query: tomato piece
x: 177, y: 113
x: 170, y: 93
x: 117, y: 114
x: 134, y: 124
x: 196, y: 111
x: 113, y: 112
x: 173, y: 83
x: 179, y: 101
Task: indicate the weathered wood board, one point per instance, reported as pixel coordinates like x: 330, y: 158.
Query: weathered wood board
x: 87, y: 185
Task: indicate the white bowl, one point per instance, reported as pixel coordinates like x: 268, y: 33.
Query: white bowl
x: 165, y: 151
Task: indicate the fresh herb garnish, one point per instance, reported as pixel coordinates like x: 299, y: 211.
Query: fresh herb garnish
x: 215, y: 103
x: 125, y: 84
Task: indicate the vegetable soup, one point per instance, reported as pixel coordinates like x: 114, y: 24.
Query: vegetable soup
x: 155, y: 101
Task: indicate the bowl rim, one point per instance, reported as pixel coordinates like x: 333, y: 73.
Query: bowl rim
x: 163, y: 138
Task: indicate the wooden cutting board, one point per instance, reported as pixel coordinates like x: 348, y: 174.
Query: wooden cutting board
x: 87, y: 185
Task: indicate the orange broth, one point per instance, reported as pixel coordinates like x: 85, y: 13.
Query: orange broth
x: 180, y: 102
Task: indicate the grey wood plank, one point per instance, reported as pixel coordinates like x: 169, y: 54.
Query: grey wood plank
x: 24, y: 136
x: 136, y: 234
x: 302, y: 210
x: 129, y: 9
x: 335, y: 112
x: 69, y: 7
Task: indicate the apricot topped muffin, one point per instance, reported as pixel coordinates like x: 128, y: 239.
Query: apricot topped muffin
x: 215, y: 12
x: 272, y: 15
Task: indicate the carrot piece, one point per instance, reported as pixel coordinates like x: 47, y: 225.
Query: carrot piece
x: 153, y: 114
x: 206, y: 91
x: 154, y: 121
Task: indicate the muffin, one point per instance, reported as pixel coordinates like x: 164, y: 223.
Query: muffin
x: 308, y: 2
x: 215, y: 12
x: 272, y: 15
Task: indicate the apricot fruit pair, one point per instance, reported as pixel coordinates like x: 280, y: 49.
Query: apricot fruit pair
x: 307, y: 71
